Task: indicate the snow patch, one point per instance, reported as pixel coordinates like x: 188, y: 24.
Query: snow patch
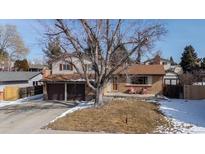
x: 187, y: 116
x: 167, y: 108
x: 21, y: 101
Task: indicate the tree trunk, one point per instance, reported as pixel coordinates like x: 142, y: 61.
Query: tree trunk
x: 99, y: 96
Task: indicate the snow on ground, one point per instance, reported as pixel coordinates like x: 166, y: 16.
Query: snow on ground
x: 21, y: 101
x: 187, y: 116
x: 81, y: 105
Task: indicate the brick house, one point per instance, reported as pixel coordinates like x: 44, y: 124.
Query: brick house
x: 142, y: 79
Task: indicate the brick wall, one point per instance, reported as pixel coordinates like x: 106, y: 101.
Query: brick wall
x: 156, y: 87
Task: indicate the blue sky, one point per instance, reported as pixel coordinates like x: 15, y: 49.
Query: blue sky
x: 180, y: 33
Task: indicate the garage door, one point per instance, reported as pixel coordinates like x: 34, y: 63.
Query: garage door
x: 76, y: 91
x: 56, y: 91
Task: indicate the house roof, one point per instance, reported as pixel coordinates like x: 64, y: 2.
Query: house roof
x: 17, y: 76
x: 142, y: 70
x: 66, y: 77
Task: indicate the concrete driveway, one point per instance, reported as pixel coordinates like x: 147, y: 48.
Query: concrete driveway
x: 31, y: 117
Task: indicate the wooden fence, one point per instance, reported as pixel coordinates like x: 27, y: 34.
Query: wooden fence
x: 12, y: 93
x: 194, y: 92
x: 30, y: 91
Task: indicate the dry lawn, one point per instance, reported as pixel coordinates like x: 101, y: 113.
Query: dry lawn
x: 118, y: 116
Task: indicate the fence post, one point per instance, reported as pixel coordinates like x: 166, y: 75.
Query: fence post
x: 185, y: 91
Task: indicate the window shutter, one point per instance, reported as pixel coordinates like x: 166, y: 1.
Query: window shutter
x: 71, y: 65
x: 61, y: 67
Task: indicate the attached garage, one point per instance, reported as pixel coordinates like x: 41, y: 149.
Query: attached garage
x: 75, y: 91
x: 65, y: 87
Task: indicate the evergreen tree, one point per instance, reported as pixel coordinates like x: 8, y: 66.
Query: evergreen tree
x: 203, y: 64
x: 52, y: 49
x: 189, y: 59
x: 172, y: 61
x: 21, y: 65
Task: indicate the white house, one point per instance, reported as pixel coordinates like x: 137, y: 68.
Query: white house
x: 172, y: 70
x: 18, y: 79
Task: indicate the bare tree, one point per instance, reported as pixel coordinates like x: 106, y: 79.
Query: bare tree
x: 187, y: 79
x: 12, y: 43
x: 103, y: 38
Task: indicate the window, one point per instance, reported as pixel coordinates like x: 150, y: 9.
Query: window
x: 139, y: 80
x: 69, y: 67
x: 35, y: 83
x: 88, y: 67
x: 65, y: 67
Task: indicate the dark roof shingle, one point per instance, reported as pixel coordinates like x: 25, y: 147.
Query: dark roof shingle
x: 66, y: 77
x: 17, y: 76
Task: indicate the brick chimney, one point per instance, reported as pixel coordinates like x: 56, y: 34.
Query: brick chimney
x: 46, y: 72
x: 157, y: 59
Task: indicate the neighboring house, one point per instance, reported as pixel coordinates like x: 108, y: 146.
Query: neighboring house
x: 65, y: 83
x: 171, y: 78
x: 18, y: 79
x: 5, y: 66
x: 143, y: 79
x: 36, y: 67
x: 172, y: 69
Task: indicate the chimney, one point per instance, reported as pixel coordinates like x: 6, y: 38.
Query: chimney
x: 157, y: 59
x: 46, y: 72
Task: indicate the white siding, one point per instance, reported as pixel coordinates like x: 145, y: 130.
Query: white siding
x: 36, y: 78
x: 170, y: 75
x: 56, y: 66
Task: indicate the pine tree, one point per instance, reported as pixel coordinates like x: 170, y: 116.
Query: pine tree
x: 52, y: 49
x: 189, y: 59
x: 203, y: 64
x: 172, y: 61
x: 21, y: 65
